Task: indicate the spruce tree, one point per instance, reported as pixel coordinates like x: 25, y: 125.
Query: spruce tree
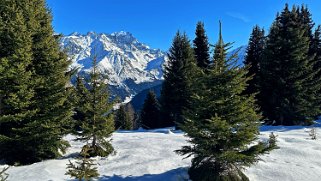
x: 123, y: 119
x: 176, y: 88
x: 289, y: 84
x: 97, y: 123
x: 84, y: 168
x: 149, y: 116
x: 220, y: 54
x: 201, y: 47
x: 316, y: 51
x: 253, y: 58
x: 305, y: 19
x: 223, y: 124
x: 79, y: 98
x: 40, y: 136
x: 132, y: 116
x: 16, y: 85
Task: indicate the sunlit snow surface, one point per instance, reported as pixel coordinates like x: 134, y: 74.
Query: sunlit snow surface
x: 149, y: 156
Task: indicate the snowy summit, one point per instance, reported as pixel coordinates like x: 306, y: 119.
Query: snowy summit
x: 131, y: 66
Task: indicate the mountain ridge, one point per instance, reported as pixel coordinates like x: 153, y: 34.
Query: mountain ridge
x: 131, y: 66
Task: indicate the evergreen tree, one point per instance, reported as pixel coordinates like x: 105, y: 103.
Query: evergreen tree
x: 253, y: 58
x: 149, y: 115
x: 131, y: 116
x: 201, y: 47
x: 97, y: 123
x: 289, y: 84
x: 316, y: 51
x: 305, y: 19
x: 83, y: 169
x: 178, y: 75
x: 16, y: 85
x: 123, y: 119
x: 219, y: 56
x: 80, y: 98
x: 40, y: 136
x: 223, y: 123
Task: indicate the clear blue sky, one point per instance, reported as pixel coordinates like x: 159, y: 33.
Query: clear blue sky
x: 155, y: 22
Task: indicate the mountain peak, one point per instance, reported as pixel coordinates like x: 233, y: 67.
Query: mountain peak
x: 75, y: 34
x: 123, y: 37
x: 121, y: 33
x: 131, y: 66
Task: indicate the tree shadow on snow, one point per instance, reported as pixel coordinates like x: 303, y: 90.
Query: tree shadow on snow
x: 179, y: 174
x: 70, y: 156
x: 288, y: 128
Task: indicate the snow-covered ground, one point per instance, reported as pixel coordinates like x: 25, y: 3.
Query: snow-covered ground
x: 149, y: 156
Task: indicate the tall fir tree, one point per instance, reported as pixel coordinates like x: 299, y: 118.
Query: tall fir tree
x: 50, y: 65
x: 176, y: 89
x: 253, y: 58
x: 16, y: 86
x: 97, y: 123
x: 123, y: 118
x: 150, y: 113
x: 201, y: 47
x: 289, y: 84
x: 223, y: 123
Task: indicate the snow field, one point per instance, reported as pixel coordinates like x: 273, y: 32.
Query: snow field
x: 149, y: 156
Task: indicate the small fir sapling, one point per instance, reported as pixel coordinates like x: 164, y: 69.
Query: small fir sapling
x: 83, y: 168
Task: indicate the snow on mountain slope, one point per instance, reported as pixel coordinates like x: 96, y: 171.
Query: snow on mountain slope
x: 149, y: 156
x: 241, y: 53
x: 131, y: 66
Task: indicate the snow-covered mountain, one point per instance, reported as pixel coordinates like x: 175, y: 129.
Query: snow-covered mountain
x: 131, y: 66
x: 241, y: 53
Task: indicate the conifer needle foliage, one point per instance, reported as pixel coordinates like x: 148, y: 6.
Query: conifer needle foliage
x: 97, y: 122
x: 223, y: 122
x: 84, y: 168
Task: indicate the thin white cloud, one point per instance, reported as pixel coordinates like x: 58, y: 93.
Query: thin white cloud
x: 239, y: 16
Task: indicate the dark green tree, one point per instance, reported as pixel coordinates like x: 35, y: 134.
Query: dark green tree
x: 80, y: 98
x: 316, y: 51
x: 223, y: 123
x: 178, y: 74
x: 42, y: 134
x: 97, y: 123
x: 150, y: 114
x: 201, y: 47
x: 123, y: 118
x: 84, y: 168
x: 132, y: 116
x: 305, y: 19
x: 289, y: 81
x: 253, y: 58
x: 16, y: 85
x: 220, y: 53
